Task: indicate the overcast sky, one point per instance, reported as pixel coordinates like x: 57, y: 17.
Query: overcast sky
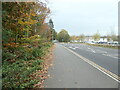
x: 85, y: 16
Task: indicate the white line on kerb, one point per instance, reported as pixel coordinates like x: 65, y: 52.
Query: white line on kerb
x: 103, y: 70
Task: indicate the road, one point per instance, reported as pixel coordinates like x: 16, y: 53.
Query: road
x: 70, y: 71
x: 105, y: 57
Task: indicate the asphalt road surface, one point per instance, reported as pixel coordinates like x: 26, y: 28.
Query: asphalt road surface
x: 105, y: 57
x: 69, y: 71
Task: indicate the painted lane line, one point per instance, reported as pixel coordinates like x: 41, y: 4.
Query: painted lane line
x: 93, y: 51
x: 69, y: 47
x: 72, y: 48
x: 89, y: 48
x: 101, y: 51
x: 110, y: 56
x: 103, y: 70
x: 76, y: 47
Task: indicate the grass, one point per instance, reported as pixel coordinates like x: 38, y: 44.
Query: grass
x: 105, y: 46
x: 99, y: 45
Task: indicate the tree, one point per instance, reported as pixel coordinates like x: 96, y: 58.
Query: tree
x: 54, y: 34
x: 51, y: 24
x: 114, y: 37
x: 23, y: 19
x: 73, y: 38
x: 63, y: 36
x: 25, y: 40
x: 96, y: 36
x: 51, y: 28
x: 109, y: 37
x: 82, y: 37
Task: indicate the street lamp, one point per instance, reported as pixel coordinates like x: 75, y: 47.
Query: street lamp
x: 51, y: 26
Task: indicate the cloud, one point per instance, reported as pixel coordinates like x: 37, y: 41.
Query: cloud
x: 68, y: 1
x: 84, y: 16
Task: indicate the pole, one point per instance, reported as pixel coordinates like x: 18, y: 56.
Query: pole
x: 52, y: 33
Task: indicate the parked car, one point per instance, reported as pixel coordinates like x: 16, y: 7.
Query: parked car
x: 115, y: 43
x: 102, y: 42
x: 90, y: 42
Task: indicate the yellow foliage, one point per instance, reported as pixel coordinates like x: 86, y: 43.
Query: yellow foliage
x: 30, y: 21
x: 33, y: 14
x: 35, y: 37
x: 20, y: 21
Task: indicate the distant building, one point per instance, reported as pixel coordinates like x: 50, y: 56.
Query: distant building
x: 103, y: 39
x: 88, y: 38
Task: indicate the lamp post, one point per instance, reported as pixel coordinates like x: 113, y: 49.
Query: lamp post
x: 51, y: 26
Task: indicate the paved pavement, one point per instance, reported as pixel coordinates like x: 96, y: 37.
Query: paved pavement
x: 69, y: 71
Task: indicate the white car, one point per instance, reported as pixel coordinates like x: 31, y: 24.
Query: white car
x: 90, y: 42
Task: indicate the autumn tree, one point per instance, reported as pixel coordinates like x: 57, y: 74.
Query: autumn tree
x: 43, y: 12
x: 63, y: 36
x: 96, y: 36
x: 108, y: 37
x: 73, y: 38
x: 25, y: 37
x: 114, y: 37
x: 17, y: 19
x: 82, y: 37
x: 23, y: 19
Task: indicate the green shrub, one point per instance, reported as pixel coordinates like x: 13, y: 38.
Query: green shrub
x: 8, y: 56
x: 18, y: 73
x: 37, y: 52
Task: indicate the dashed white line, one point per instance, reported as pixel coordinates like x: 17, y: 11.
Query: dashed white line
x: 110, y: 56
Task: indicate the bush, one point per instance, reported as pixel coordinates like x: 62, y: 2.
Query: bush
x: 18, y: 74
x: 21, y: 62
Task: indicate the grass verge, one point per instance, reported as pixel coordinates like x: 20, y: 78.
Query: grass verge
x: 106, y: 46
x: 99, y: 45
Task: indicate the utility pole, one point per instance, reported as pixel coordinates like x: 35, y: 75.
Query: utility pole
x: 51, y: 26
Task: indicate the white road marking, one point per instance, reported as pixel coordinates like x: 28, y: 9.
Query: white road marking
x: 69, y: 47
x: 110, y: 56
x: 76, y: 47
x: 89, y: 48
x: 103, y: 70
x: 97, y: 50
x: 101, y: 51
x: 92, y: 50
x: 73, y: 48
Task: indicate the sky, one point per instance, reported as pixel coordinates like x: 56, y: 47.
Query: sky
x: 85, y: 16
